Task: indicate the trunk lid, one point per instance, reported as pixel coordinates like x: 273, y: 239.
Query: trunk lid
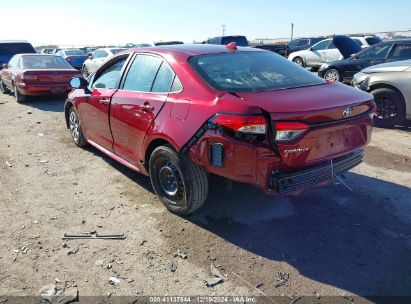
x: 51, y: 76
x: 327, y: 110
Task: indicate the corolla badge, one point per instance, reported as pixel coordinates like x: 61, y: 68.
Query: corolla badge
x: 347, y: 112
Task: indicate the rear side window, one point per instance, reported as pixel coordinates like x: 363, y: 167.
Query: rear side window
x: 401, y: 52
x: 373, y: 40
x: 142, y: 72
x: 251, y: 72
x: 164, y: 79
x: 16, y: 48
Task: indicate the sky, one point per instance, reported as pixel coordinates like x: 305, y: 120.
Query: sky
x: 116, y: 22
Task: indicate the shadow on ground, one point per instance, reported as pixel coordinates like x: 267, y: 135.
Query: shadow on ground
x: 47, y: 104
x: 358, y: 241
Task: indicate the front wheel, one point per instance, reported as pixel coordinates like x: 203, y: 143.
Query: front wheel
x: 180, y: 184
x: 299, y: 61
x: 390, y: 107
x: 75, y: 128
x: 20, y: 98
x: 332, y: 75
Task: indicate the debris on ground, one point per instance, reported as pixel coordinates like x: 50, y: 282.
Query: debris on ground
x: 99, y: 263
x: 130, y: 280
x: 8, y: 164
x: 180, y: 254
x: 259, y: 285
x: 114, y: 281
x: 143, y: 242
x: 216, y: 272
x: 73, y: 249
x: 173, y: 267
x: 282, y: 279
x: 48, y: 292
x: 213, y: 282
x: 90, y: 236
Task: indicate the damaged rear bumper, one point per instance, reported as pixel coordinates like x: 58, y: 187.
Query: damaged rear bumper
x: 286, y: 183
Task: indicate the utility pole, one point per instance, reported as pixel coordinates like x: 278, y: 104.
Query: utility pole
x: 223, y: 29
x: 292, y: 31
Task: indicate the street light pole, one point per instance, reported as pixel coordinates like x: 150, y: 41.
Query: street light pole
x: 292, y: 31
x: 223, y: 29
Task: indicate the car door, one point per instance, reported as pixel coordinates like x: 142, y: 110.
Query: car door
x: 94, y: 107
x: 135, y: 106
x: 317, y: 53
x: 332, y: 54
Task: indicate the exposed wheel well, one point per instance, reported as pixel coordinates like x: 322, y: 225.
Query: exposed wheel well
x: 151, y: 147
x: 384, y: 86
x: 67, y: 107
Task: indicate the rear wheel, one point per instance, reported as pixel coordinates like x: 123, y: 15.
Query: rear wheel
x: 20, y: 98
x: 332, y: 75
x: 75, y: 128
x: 299, y: 61
x: 390, y: 107
x: 180, y: 184
x: 3, y: 88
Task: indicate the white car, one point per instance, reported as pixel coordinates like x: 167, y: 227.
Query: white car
x: 366, y: 41
x: 97, y: 58
x: 323, y: 52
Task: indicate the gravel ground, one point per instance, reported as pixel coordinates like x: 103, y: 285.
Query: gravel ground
x: 327, y: 242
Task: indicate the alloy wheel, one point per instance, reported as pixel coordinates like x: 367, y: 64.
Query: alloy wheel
x: 74, y: 126
x: 332, y: 76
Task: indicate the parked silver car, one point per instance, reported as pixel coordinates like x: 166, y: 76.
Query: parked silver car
x: 390, y: 83
x: 97, y: 58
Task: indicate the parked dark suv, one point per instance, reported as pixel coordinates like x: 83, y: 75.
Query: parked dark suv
x: 388, y: 51
x: 301, y: 44
x: 223, y: 40
x: 278, y: 48
x: 9, y: 48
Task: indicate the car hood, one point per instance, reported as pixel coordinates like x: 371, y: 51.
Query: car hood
x: 346, y: 45
x: 313, y: 98
x: 397, y: 66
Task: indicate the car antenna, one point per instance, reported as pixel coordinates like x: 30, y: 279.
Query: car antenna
x: 232, y: 46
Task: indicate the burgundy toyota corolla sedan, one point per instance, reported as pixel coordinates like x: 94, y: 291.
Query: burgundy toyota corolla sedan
x: 36, y: 75
x: 178, y: 113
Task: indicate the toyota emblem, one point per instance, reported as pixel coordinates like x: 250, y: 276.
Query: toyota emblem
x: 347, y: 112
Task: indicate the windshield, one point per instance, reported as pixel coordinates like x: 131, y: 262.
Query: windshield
x: 15, y: 48
x: 74, y: 53
x: 239, y: 40
x: 251, y: 72
x: 44, y: 62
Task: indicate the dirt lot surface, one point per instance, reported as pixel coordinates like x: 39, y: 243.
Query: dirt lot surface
x: 326, y: 242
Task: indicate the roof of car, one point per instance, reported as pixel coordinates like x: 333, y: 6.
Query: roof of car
x: 190, y: 49
x: 14, y: 41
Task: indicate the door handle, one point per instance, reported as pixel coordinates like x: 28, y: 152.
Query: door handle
x: 146, y: 107
x: 104, y: 101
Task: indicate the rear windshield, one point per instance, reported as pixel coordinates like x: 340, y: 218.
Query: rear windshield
x: 239, y: 40
x: 373, y: 40
x: 74, y: 52
x: 15, y: 48
x: 251, y: 72
x: 44, y: 62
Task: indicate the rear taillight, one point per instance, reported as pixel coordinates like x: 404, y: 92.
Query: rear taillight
x: 26, y: 77
x: 289, y: 130
x: 244, y: 124
x: 69, y: 58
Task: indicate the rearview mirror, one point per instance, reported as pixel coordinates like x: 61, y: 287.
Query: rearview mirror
x: 5, y: 66
x: 78, y: 83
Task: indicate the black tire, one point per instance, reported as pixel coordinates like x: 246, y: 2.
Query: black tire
x: 332, y: 75
x: 85, y: 72
x: 3, y: 88
x: 299, y: 61
x: 20, y: 98
x: 180, y: 184
x: 75, y: 128
x: 390, y: 107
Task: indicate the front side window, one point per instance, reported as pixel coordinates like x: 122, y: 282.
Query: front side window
x: 251, y: 72
x: 142, y: 72
x: 108, y: 78
x: 401, y: 52
x: 375, y: 52
x: 321, y: 45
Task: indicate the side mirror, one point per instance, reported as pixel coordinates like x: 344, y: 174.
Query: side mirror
x: 78, y: 83
x: 5, y: 65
